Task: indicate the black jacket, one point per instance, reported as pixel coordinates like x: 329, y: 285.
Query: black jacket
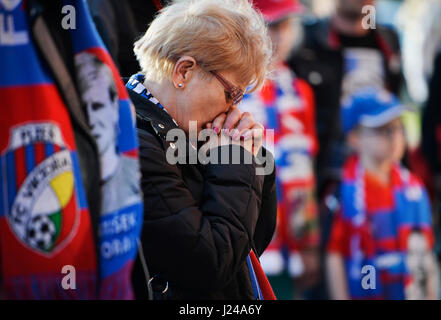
x: 320, y: 61
x: 120, y: 24
x: 200, y: 221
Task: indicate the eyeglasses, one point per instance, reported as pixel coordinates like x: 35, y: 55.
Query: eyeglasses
x: 233, y: 93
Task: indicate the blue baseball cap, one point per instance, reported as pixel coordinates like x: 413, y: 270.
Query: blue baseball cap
x: 370, y: 107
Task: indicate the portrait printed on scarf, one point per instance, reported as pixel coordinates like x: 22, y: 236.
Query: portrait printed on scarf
x: 98, y: 91
x: 421, y: 266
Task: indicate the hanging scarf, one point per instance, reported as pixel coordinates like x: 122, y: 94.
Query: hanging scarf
x: 136, y: 83
x: 379, y: 238
x: 44, y: 218
x: 261, y: 287
x: 285, y: 105
x: 45, y: 222
x: 109, y: 112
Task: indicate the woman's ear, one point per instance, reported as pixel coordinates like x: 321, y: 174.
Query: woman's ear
x: 183, y: 71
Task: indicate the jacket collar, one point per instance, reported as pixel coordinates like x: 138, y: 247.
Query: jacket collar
x: 149, y: 113
x: 149, y: 109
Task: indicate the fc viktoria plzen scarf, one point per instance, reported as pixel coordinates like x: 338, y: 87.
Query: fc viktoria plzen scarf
x: 44, y: 217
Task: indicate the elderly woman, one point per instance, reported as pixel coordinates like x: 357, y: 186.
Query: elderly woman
x: 202, y: 220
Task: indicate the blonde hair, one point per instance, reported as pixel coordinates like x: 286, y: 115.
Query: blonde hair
x: 219, y: 34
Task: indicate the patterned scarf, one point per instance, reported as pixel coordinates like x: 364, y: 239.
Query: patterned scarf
x: 136, y: 83
x: 285, y: 104
x: 45, y: 221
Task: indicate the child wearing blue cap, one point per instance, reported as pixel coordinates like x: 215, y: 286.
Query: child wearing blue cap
x: 381, y: 239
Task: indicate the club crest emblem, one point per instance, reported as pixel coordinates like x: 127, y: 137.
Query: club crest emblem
x: 43, y: 214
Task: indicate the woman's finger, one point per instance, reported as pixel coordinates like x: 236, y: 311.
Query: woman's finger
x: 232, y: 119
x: 246, y: 122
x: 251, y: 139
x: 218, y: 122
x: 255, y: 133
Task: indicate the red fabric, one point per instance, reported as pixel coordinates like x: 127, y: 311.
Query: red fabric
x: 289, y: 203
x: 42, y: 103
x: 273, y: 10
x: 265, y: 286
x: 338, y: 237
x: 339, y: 240
x: 158, y: 4
x: 383, y: 199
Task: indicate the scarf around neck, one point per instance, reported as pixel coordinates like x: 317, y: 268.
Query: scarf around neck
x: 386, y: 248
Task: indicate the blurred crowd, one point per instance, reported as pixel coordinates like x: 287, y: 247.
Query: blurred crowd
x: 322, y: 46
x: 353, y: 98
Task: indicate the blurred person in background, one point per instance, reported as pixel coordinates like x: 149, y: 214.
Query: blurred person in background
x: 419, y: 28
x: 286, y: 105
x: 431, y: 144
x: 337, y: 56
x: 420, y: 32
x: 204, y: 221
x: 381, y: 239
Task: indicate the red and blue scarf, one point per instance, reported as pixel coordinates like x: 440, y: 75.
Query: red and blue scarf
x: 45, y: 221
x: 377, y: 230
x: 286, y: 105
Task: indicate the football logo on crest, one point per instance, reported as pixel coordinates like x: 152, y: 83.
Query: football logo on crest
x: 44, y: 214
